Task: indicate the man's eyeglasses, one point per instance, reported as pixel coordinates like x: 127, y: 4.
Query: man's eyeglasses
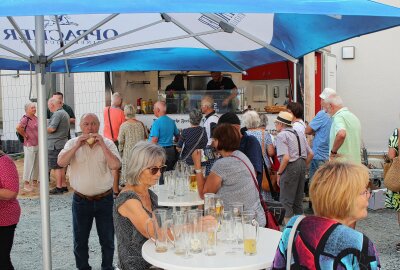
x: 366, y: 193
x: 154, y: 170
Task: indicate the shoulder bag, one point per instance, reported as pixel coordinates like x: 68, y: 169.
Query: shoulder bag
x: 392, y: 177
x: 144, y: 129
x: 291, y: 240
x: 269, y: 179
x: 269, y: 217
x: 20, y: 137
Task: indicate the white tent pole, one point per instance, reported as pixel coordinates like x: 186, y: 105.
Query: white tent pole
x: 124, y: 47
x: 11, y: 58
x: 87, y: 32
x: 16, y: 27
x: 40, y: 69
x: 168, y: 18
x: 113, y: 38
x: 294, y: 82
x: 15, y: 52
x: 61, y: 43
x: 250, y: 37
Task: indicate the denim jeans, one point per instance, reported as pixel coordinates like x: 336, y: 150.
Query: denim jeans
x: 315, y: 164
x: 83, y: 213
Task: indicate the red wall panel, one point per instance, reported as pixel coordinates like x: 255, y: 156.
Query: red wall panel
x: 275, y: 71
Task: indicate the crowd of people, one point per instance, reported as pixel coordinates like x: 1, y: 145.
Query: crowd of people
x: 111, y: 175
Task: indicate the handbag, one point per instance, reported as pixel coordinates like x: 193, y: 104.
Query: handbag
x: 144, y: 130
x: 392, y: 177
x: 269, y: 181
x: 271, y: 222
x: 20, y: 137
x: 291, y: 240
x: 265, y: 183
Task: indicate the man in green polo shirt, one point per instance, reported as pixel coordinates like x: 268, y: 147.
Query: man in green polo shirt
x: 345, y: 134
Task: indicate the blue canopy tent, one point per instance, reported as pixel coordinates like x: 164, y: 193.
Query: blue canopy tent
x: 122, y: 35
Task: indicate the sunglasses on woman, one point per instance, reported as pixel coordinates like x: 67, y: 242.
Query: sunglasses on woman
x: 154, y: 170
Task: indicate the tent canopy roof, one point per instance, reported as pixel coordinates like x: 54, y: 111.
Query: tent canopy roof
x: 342, y: 7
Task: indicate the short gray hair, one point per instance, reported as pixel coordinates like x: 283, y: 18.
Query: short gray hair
x: 116, y: 97
x: 161, y: 105
x: 195, y: 117
x: 90, y: 114
x: 28, y: 105
x: 143, y: 155
x: 129, y: 111
x: 251, y: 119
x: 207, y: 101
x: 334, y: 100
x: 55, y: 101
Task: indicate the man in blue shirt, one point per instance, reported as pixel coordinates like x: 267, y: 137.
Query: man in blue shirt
x: 163, y: 132
x: 320, y: 127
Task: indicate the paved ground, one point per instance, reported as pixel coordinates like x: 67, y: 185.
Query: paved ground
x: 381, y: 226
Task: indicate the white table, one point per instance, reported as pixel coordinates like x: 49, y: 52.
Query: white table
x: 266, y: 248
x: 191, y: 198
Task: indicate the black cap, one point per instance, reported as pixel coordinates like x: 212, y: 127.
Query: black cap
x: 229, y: 118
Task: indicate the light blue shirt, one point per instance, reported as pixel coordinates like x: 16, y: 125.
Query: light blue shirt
x: 164, y: 128
x: 321, y: 124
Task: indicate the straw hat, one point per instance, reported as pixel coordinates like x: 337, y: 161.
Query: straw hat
x: 285, y: 118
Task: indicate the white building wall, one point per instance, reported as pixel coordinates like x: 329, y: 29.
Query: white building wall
x: 89, y: 95
x: 369, y: 84
x: 15, y: 94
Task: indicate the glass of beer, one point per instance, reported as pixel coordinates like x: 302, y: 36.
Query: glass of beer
x: 192, y: 182
x: 250, y: 233
x: 209, y: 204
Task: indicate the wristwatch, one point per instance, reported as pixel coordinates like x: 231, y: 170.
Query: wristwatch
x: 333, y: 153
x: 198, y: 171
x: 278, y: 173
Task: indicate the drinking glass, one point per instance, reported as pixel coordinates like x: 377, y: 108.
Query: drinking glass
x: 170, y: 183
x: 195, y: 221
x: 192, y: 182
x: 236, y: 208
x: 238, y: 231
x: 227, y: 228
x: 179, y: 220
x: 210, y: 237
x: 160, y: 229
x: 209, y: 204
x: 219, y: 208
x: 250, y: 232
x: 181, y: 186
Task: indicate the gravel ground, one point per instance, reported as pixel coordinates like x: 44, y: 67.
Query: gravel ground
x: 381, y: 226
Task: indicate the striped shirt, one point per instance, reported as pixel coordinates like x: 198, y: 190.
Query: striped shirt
x: 286, y: 143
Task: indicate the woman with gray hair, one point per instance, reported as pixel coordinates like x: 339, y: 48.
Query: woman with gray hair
x: 28, y: 128
x: 131, y: 132
x: 255, y: 127
x: 136, y: 202
x: 194, y: 137
x: 252, y: 121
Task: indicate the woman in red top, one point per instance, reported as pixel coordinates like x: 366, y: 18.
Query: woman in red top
x: 28, y: 128
x: 10, y: 210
